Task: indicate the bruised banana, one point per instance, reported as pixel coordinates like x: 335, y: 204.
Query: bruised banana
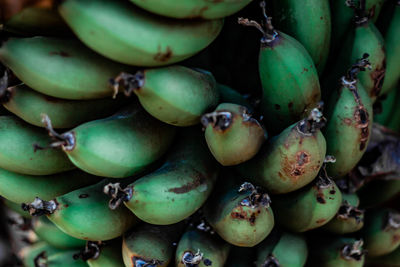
x: 232, y: 135
x: 118, y: 146
x: 282, y: 249
x: 150, y: 245
x: 192, y: 8
x: 62, y: 68
x: 197, y: 248
x: 290, y: 87
x: 136, y: 37
x: 29, y: 105
x: 290, y: 160
x: 21, y: 188
x: 242, y: 216
x: 176, y: 190
x: 350, y: 116
x: 175, y: 95
x: 30, y: 253
x: 102, y: 254
x: 84, y: 214
x: 21, y: 149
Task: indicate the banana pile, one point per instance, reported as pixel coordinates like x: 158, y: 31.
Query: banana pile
x: 122, y: 142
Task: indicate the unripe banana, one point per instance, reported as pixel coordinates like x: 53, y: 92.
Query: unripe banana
x: 232, y: 135
x: 388, y: 106
x: 175, y: 95
x: 310, y: 23
x: 373, y: 8
x: 241, y: 257
x: 99, y: 254
x: 200, y: 249
x: 193, y: 8
x: 60, y: 259
x: 21, y: 149
x: 282, y: 249
x: 133, y: 36
x: 242, y: 216
x: 177, y: 189
x: 21, y: 188
x: 310, y: 207
x: 84, y: 214
x: 149, y: 245
x: 381, y: 232
x: 228, y: 95
x: 349, y: 115
x: 290, y: 160
x: 377, y: 192
x: 48, y: 232
x: 388, y: 260
x: 29, y: 105
x: 118, y: 146
x: 290, y: 87
x: 30, y: 253
x: 61, y: 68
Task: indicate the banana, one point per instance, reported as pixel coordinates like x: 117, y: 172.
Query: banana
x: 21, y: 188
x: 135, y: 37
x: 388, y: 260
x: 21, y: 149
x: 150, y: 245
x: 175, y: 94
x: 310, y: 23
x: 378, y: 192
x: 312, y: 206
x: 290, y: 160
x: 282, y: 249
x: 373, y: 8
x: 118, y: 146
x: 29, y: 105
x: 349, y: 115
x: 241, y: 257
x: 15, y: 207
x: 290, y: 87
x: 31, y: 254
x: 388, y: 106
x: 192, y: 9
x: 381, y: 231
x: 60, y: 259
x: 232, y: 134
x: 242, y: 216
x: 174, y: 191
x: 99, y: 254
x: 84, y: 214
x: 48, y: 232
x: 228, y: 95
x: 62, y: 68
x: 200, y: 249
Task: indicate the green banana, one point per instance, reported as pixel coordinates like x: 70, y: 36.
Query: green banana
x: 310, y: 23
x: 150, y: 245
x: 84, y: 214
x: 29, y: 105
x: 60, y: 259
x: 228, y: 95
x: 21, y: 149
x: 388, y: 260
x: 377, y: 192
x: 192, y: 9
x: 175, y: 95
x: 241, y: 257
x: 313, y: 206
x: 290, y: 160
x: 288, y: 77
x: 381, y: 231
x: 349, y: 218
x: 174, y: 191
x: 61, y: 68
x: 349, y: 115
x: 242, y: 216
x: 388, y: 106
x: 373, y: 8
x: 135, y: 37
x: 200, y: 249
x: 118, y: 146
x: 30, y: 254
x: 282, y: 249
x: 232, y: 134
x: 24, y: 188
x: 99, y: 254
x: 48, y: 232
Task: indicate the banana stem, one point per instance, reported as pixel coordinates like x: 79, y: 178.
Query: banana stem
x: 218, y: 119
x: 40, y: 260
x: 129, y: 82
x: 65, y: 140
x: 353, y: 251
x: 190, y: 259
x: 144, y: 263
x: 393, y: 221
x: 256, y: 197
x: 348, y: 211
x: 117, y: 194
x: 323, y: 180
x: 90, y: 251
x: 271, y: 261
x: 313, y: 122
x: 40, y: 207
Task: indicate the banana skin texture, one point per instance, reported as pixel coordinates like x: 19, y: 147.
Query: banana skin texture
x: 20, y: 149
x: 29, y: 253
x: 310, y: 23
x: 150, y: 245
x: 192, y: 8
x: 118, y: 146
x: 63, y: 259
x: 232, y: 135
x: 28, y: 105
x: 62, y: 68
x: 175, y: 95
x: 282, y: 249
x: 110, y: 256
x: 200, y: 249
x: 124, y: 33
x: 241, y: 215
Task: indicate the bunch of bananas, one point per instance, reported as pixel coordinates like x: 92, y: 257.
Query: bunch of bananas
x: 121, y: 145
